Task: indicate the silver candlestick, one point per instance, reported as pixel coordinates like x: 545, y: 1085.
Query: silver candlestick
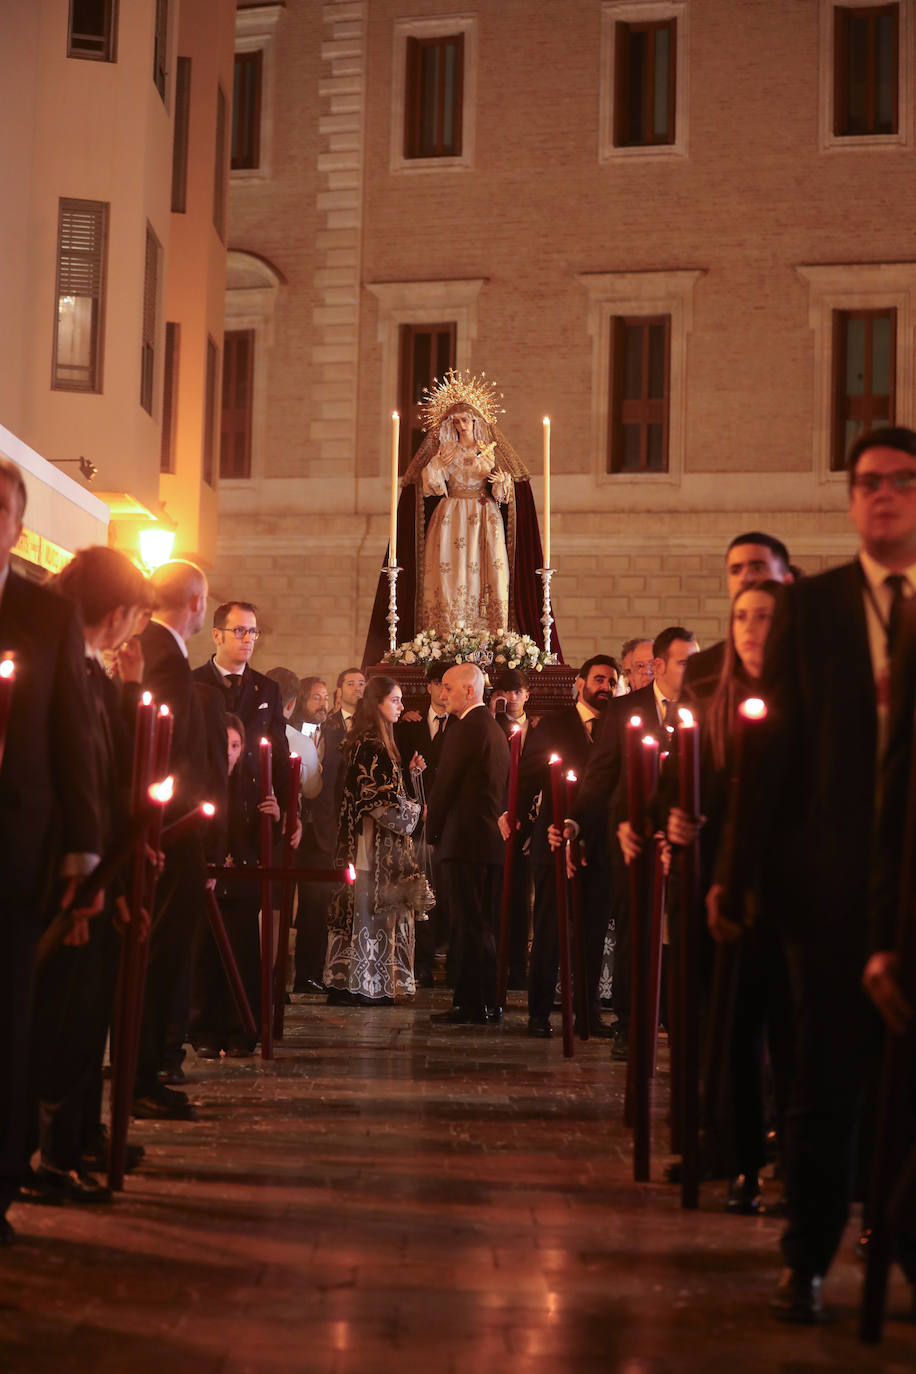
x: 392, y: 570
x: 545, y: 574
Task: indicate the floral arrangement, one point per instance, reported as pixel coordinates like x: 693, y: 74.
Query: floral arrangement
x: 504, y: 649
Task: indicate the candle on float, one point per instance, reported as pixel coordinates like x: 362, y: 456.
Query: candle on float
x: 7, y: 679
x: 546, y: 491
x: 393, y: 531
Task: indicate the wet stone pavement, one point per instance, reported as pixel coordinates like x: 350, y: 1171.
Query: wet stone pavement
x: 390, y: 1196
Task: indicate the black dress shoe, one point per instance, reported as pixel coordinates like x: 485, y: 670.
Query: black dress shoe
x: 460, y: 1016
x: 494, y: 1014
x: 743, y: 1197
x: 207, y: 1049
x: 96, y: 1155
x: 7, y: 1234
x: 539, y: 1027
x: 340, y: 997
x: 798, y: 1299
x: 58, y: 1188
x: 597, y: 1030
x: 174, y: 1076
x: 163, y: 1105
x: 240, y: 1049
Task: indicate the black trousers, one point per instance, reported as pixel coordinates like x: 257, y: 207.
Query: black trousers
x: 73, y: 1002
x: 763, y: 1020
x: 18, y: 938
x: 214, y: 1019
x: 473, y: 897
x: 179, y: 903
x: 545, y: 948
x: 312, y: 917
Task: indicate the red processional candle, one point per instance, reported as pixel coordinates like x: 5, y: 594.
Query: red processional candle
x: 635, y: 773
x: 7, y: 679
x: 688, y: 747
x: 650, y: 748
x: 205, y: 812
x: 286, y: 896
x: 143, y: 743
x: 265, y: 758
x: 292, y: 802
x: 267, y: 914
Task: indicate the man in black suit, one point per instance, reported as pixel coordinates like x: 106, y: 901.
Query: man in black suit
x: 180, y: 591
x: 569, y: 733
x: 463, y: 824
x: 601, y: 803
x: 426, y: 736
x: 49, y: 823
x: 750, y: 557
x: 251, y: 696
x: 826, y: 681
x: 317, y: 846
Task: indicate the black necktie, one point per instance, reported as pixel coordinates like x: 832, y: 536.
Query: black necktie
x: 437, y: 726
x: 590, y: 728
x: 896, y: 582
x: 233, y: 680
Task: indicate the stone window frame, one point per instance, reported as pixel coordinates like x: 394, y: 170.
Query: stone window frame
x: 416, y: 302
x: 441, y: 27
x: 828, y: 141
x: 639, y: 293
x: 635, y: 12
x: 256, y: 31
x: 252, y: 289
x: 857, y: 286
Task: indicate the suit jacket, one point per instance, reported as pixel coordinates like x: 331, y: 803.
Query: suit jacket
x: 811, y: 827
x: 704, y: 670
x: 260, y: 709
x: 470, y: 791
x: 601, y: 802
x: 559, y: 732
x: 319, y: 831
x: 413, y: 737
x: 48, y: 788
x: 891, y: 840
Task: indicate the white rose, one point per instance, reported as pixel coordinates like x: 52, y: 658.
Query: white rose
x: 500, y: 658
x: 410, y: 657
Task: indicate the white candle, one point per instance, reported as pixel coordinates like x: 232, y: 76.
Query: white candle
x: 393, y: 533
x: 546, y: 491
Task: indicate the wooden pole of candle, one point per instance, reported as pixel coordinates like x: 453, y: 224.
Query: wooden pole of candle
x: 267, y: 914
x: 7, y: 682
x: 645, y: 760
x: 287, y: 892
x: 688, y: 752
x: 123, y: 1069
x: 578, y: 937
x: 557, y: 797
x: 231, y: 968
x: 505, y: 910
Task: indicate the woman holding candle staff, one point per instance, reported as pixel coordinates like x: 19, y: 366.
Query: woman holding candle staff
x: 371, y: 937
x: 762, y: 998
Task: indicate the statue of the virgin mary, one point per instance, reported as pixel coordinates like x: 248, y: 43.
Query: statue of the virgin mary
x: 468, y: 540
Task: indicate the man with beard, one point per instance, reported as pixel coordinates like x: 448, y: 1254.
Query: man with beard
x: 568, y: 733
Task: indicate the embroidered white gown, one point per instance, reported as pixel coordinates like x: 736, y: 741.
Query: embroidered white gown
x: 466, y: 566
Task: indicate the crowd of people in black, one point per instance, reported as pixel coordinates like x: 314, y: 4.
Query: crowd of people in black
x: 414, y: 803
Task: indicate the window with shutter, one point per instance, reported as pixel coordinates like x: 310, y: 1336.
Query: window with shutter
x: 150, y: 311
x: 238, y: 378
x: 864, y: 371
x: 161, y: 46
x: 180, y: 135
x: 427, y: 351
x: 219, y: 173
x: 866, y: 56
x: 92, y: 29
x: 210, y: 411
x: 170, y: 395
x: 246, y: 110
x: 433, y: 105
x: 640, y: 349
x: 81, y: 241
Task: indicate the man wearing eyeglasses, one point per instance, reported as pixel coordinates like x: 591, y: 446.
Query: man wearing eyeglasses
x: 825, y: 678
x: 251, y: 696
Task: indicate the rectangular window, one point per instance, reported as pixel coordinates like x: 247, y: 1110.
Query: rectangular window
x: 161, y: 45
x: 82, y: 235
x: 866, y: 53
x: 864, y: 369
x: 219, y: 172
x: 92, y: 30
x: 246, y: 110
x: 238, y: 379
x: 180, y: 135
x: 210, y: 411
x: 640, y: 386
x: 427, y: 351
x: 433, y: 104
x: 644, y: 83
x: 150, y: 312
x: 170, y: 395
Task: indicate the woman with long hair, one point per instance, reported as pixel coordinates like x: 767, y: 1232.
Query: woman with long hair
x: 371, y: 937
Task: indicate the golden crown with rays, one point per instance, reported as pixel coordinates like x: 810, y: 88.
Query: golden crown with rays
x: 456, y: 389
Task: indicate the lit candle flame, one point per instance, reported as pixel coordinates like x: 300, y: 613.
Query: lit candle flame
x: 685, y: 716
x: 395, y: 415
x: 755, y: 708
x: 7, y: 668
x: 164, y: 710
x: 571, y: 777
x: 635, y: 722
x: 554, y: 758
x: 546, y: 419
x: 351, y: 873
x: 650, y: 741
x: 208, y: 808
x: 293, y: 756
x: 147, y: 698
x: 162, y: 791
x: 516, y: 730
x: 264, y: 741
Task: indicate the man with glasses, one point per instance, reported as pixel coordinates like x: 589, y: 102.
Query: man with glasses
x: 637, y: 663
x: 251, y: 696
x: 809, y: 833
